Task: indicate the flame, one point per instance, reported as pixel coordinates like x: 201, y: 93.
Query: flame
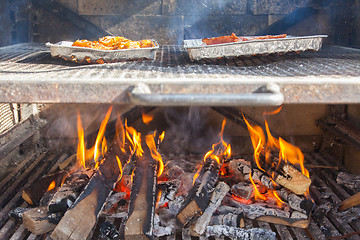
x: 276, y: 111
x: 100, y: 136
x: 287, y: 151
x: 120, y: 166
x: 220, y: 150
x: 147, y: 118
x: 134, y: 138
x: 257, y: 194
x: 162, y: 136
x: 279, y: 202
x: 258, y: 141
x: 120, y: 133
x: 196, y: 175
x: 80, y: 156
x: 51, y: 186
x: 150, y: 142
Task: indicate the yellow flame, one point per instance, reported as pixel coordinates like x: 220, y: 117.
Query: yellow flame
x: 134, y: 138
x: 120, y: 166
x: 80, y: 156
x: 100, y: 135
x: 162, y: 136
x: 150, y: 142
x: 257, y: 194
x: 258, y: 140
x: 51, y: 186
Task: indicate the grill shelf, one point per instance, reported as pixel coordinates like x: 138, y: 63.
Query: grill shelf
x: 38, y: 165
x: 29, y: 74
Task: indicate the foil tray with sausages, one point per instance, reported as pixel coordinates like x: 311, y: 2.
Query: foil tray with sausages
x: 65, y: 50
x: 199, y: 50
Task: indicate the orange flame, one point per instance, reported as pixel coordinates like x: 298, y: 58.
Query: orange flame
x: 120, y: 166
x: 196, y: 176
x: 257, y: 194
x: 120, y: 133
x: 51, y: 186
x: 100, y: 136
x: 276, y: 111
x: 150, y: 142
x: 80, y: 156
x: 258, y: 141
x: 147, y: 118
x: 134, y: 138
x: 219, y: 150
x: 279, y: 202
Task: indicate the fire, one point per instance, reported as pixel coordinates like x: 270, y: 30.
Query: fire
x: 257, y: 194
x: 84, y: 155
x: 220, y: 150
x: 150, y: 142
x: 162, y: 136
x: 51, y: 186
x: 134, y: 138
x: 120, y: 166
x: 258, y: 141
x: 100, y: 136
x: 265, y: 147
x: 147, y: 118
x: 120, y: 133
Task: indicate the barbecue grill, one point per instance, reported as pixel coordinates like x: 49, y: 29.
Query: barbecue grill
x: 319, y: 91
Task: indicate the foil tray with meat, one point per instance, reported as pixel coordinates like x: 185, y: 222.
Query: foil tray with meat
x: 65, y: 50
x: 248, y: 46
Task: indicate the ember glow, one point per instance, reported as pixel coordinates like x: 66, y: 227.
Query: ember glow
x: 147, y: 118
x: 51, y: 186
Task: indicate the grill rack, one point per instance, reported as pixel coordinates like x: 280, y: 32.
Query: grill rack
x: 309, y: 77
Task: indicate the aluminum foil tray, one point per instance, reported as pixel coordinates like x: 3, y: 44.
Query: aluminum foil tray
x: 198, y: 50
x: 64, y: 50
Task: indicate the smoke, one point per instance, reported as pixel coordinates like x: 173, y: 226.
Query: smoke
x: 189, y: 131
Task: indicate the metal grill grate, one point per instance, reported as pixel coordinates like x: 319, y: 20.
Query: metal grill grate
x: 309, y: 77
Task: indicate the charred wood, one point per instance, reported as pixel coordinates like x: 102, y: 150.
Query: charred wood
x: 68, y: 192
x: 321, y: 211
x: 216, y: 198
x: 199, y: 196
x: 240, y: 233
x: 108, y: 231
x: 140, y: 221
x: 18, y: 213
x: 229, y: 219
x: 349, y: 180
x: 39, y: 221
x: 34, y: 193
x: 82, y: 216
x: 167, y: 191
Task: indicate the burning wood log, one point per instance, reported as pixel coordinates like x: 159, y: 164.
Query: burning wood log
x: 216, y: 198
x: 35, y: 192
x: 291, y: 178
x: 39, y: 221
x: 349, y: 180
x: 351, y: 201
x: 82, y: 216
x: 229, y: 219
x: 68, y: 192
x: 199, y: 196
x: 168, y: 191
x: 140, y: 221
x: 240, y: 233
x: 296, y: 202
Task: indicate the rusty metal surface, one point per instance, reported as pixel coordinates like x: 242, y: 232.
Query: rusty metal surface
x: 28, y: 73
x: 198, y: 50
x: 64, y: 49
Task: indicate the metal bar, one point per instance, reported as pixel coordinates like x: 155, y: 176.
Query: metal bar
x: 342, y: 129
x: 270, y: 96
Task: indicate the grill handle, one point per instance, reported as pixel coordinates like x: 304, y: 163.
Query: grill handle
x: 267, y: 95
